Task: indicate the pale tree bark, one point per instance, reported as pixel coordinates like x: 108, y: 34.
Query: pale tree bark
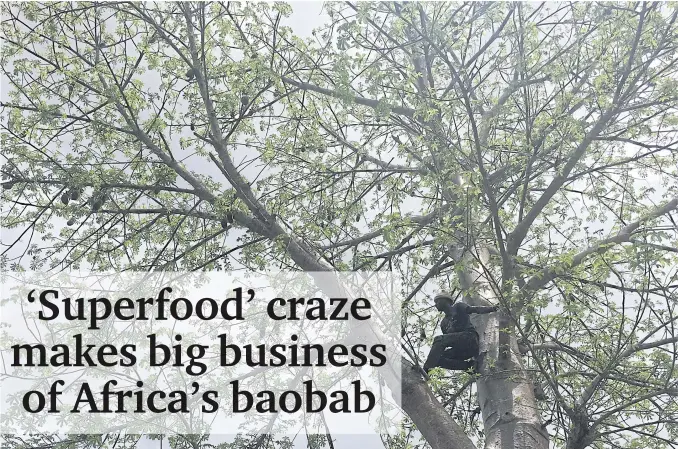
x: 436, y: 425
x: 505, y: 390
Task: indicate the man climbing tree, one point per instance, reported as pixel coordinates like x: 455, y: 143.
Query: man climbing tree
x: 458, y: 347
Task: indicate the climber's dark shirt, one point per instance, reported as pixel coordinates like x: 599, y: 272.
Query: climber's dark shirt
x: 459, y: 320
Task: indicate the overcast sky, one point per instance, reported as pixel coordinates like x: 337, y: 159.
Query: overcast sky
x: 307, y: 15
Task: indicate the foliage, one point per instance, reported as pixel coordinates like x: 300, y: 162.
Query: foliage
x: 411, y: 137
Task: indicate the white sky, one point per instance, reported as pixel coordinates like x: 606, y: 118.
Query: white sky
x: 307, y: 15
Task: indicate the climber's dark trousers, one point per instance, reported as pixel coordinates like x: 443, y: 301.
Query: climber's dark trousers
x: 453, y: 351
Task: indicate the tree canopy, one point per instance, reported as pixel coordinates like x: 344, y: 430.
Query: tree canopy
x: 518, y: 154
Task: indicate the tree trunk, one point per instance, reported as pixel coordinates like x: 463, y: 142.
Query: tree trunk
x: 506, y: 395
x: 428, y: 414
x: 505, y: 390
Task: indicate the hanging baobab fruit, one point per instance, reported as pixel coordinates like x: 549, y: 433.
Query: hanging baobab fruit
x: 97, y: 201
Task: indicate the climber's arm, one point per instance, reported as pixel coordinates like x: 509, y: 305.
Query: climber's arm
x: 482, y: 309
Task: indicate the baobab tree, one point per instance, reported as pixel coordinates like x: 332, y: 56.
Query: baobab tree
x: 523, y: 155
